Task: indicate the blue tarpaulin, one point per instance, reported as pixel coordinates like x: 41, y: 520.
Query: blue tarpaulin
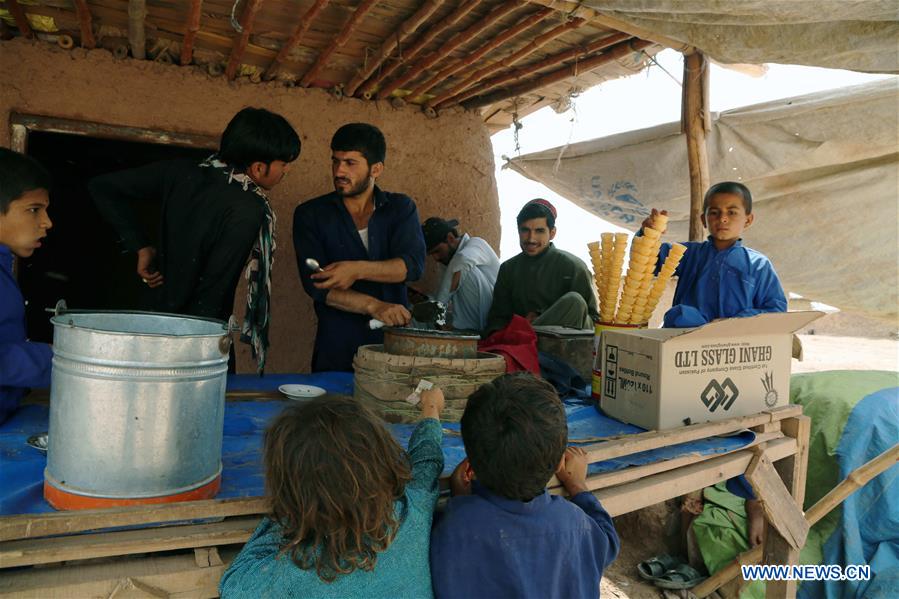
x: 21, y: 467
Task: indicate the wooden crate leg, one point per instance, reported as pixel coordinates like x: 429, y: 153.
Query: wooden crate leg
x: 792, y: 470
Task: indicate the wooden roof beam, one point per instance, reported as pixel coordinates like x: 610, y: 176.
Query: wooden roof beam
x: 475, y: 56
x: 190, y: 31
x: 19, y: 15
x: 575, y: 9
x: 407, y: 28
x: 84, y: 20
x: 450, y: 45
x: 295, y: 37
x: 570, y: 70
x: 550, y: 61
x: 337, y: 42
x: 240, y: 44
x: 426, y: 38
x: 137, y: 37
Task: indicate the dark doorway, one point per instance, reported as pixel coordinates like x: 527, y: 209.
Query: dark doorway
x: 81, y: 260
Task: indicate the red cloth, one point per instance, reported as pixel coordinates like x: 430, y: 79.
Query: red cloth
x: 517, y: 343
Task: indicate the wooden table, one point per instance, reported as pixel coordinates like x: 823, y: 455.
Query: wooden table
x: 186, y: 551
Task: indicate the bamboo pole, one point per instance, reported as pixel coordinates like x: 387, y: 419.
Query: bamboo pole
x: 475, y: 56
x: 84, y: 20
x: 576, y: 9
x: 857, y: 479
x: 571, y: 70
x: 240, y: 44
x: 295, y: 37
x: 450, y: 45
x: 550, y: 61
x: 337, y: 42
x: 426, y: 38
x: 19, y: 15
x: 137, y: 38
x: 190, y: 33
x: 406, y: 28
x: 695, y: 123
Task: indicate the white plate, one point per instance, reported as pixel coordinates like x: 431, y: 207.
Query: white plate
x: 301, y: 391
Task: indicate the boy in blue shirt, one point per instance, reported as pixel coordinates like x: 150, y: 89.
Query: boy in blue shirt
x: 502, y: 534
x: 24, y: 199
x: 721, y: 278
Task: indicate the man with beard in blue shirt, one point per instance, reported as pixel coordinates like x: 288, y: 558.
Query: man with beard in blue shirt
x: 369, y: 244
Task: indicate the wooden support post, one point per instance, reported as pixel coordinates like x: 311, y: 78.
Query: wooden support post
x: 407, y: 28
x: 695, y: 123
x: 570, y: 70
x: 137, y: 39
x: 240, y: 45
x: 475, y: 56
x: 190, y: 32
x: 451, y: 45
x: 426, y: 38
x: 781, y: 510
x: 84, y: 19
x: 19, y: 15
x: 337, y: 42
x: 450, y: 97
x: 294, y: 39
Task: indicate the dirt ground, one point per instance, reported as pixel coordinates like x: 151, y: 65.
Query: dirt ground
x: 834, y: 342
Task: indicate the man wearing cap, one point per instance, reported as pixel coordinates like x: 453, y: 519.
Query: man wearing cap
x: 471, y: 268
x: 546, y: 285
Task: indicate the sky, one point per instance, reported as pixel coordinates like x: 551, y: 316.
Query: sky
x: 649, y: 98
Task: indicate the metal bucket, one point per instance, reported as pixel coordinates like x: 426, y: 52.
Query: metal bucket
x: 136, y: 408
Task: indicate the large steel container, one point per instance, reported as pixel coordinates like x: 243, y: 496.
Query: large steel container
x: 136, y: 408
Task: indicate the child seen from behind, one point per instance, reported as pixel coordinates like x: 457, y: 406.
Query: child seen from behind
x: 351, y: 512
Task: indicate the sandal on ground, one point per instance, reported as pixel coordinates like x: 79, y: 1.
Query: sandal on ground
x: 656, y: 566
x: 681, y: 576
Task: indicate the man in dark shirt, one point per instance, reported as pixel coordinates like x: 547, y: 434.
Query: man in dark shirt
x: 368, y: 242
x: 215, y: 215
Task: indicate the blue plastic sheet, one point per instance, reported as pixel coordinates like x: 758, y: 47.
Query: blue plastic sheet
x: 21, y: 467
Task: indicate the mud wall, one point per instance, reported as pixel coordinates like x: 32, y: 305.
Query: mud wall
x: 444, y: 164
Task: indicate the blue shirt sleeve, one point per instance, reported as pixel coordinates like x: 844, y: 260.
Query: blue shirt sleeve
x: 306, y: 244
x: 426, y: 457
x: 606, y: 535
x: 25, y: 364
x: 407, y: 241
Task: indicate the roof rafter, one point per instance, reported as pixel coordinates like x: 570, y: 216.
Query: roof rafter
x: 295, y: 37
x: 475, y: 56
x: 240, y: 44
x: 190, y: 32
x: 407, y: 28
x: 337, y: 42
x: 84, y: 20
x: 481, y: 74
x: 454, y: 42
x: 426, y: 38
x: 569, y: 70
x: 19, y: 15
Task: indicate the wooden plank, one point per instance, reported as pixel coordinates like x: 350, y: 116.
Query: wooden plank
x: 780, y: 508
x: 59, y: 549
x: 667, y: 485
x: 617, y: 477
x: 694, y: 115
x: 629, y: 444
x: 177, y: 575
x: 27, y: 526
x: 102, y: 130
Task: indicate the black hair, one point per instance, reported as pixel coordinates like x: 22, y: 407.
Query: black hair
x: 536, y: 211
x: 515, y: 433
x: 19, y: 174
x: 363, y: 138
x: 257, y: 135
x: 732, y: 187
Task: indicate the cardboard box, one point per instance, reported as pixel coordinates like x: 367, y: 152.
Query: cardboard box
x: 666, y: 378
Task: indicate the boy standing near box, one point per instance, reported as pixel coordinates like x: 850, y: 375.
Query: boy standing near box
x: 24, y: 221
x: 503, y: 534
x: 720, y: 277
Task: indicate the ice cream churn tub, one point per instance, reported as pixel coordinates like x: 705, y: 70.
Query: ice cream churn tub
x: 136, y: 408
